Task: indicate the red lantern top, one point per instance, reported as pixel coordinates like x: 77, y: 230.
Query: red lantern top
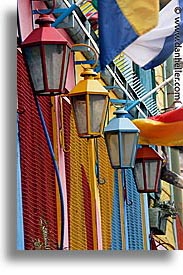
x: 45, y: 33
x: 148, y: 153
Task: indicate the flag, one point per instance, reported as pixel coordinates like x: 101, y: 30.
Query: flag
x: 121, y: 22
x: 162, y: 130
x: 154, y: 47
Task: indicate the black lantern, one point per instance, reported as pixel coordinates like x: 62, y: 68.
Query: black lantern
x: 46, y: 53
x: 89, y: 100
x: 121, y: 137
x: 147, y: 169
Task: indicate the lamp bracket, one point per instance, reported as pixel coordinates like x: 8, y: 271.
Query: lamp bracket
x: 97, y: 165
x: 63, y: 13
x: 47, y: 11
x: 101, y: 181
x: 127, y: 201
x: 86, y: 48
x: 127, y: 104
x: 90, y: 62
x: 69, y: 23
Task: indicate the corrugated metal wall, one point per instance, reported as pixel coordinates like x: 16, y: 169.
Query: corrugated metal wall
x: 116, y: 217
x: 77, y: 178
x: 38, y: 182
x: 79, y: 193
x: 37, y: 173
x: 133, y: 212
x: 106, y: 193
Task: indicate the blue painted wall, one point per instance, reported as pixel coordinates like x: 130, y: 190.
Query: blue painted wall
x: 20, y: 231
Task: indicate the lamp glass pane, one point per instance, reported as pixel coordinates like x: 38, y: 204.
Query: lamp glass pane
x: 79, y: 105
x: 113, y: 148
x: 128, y: 142
x: 33, y: 59
x: 151, y: 172
x: 97, y: 108
x: 54, y: 59
x: 65, y: 67
x: 139, y: 176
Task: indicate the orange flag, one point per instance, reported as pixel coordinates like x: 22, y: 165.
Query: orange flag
x: 163, y: 130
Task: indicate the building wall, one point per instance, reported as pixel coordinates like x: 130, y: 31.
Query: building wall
x: 37, y: 173
x: 103, y: 209
x: 168, y: 191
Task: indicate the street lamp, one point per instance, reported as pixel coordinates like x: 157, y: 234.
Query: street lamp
x: 89, y: 101
x: 46, y: 53
x: 121, y: 137
x: 147, y: 169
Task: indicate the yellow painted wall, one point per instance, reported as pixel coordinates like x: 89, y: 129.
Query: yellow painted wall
x: 102, y: 193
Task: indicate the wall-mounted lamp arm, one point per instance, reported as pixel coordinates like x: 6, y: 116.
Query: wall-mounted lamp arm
x: 135, y: 103
x: 48, y: 11
x: 81, y: 48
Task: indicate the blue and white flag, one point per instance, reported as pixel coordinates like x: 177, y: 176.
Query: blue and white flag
x: 121, y: 22
x: 154, y: 47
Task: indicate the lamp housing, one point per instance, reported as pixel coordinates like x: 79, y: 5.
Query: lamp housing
x: 121, y: 137
x: 147, y: 169
x: 89, y: 101
x: 46, y: 53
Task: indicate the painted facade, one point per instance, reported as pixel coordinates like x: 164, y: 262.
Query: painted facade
x: 102, y: 208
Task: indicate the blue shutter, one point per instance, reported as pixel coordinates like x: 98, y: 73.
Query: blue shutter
x: 116, y: 219
x: 133, y: 217
x: 146, y: 79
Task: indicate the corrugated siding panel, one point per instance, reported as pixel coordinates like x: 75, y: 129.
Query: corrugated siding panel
x: 87, y: 206
x: 77, y: 177
x: 66, y: 120
x: 116, y: 217
x: 38, y: 176
x: 133, y: 210
x: 106, y: 193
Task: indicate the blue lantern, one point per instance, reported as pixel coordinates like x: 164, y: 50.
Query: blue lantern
x: 121, y: 137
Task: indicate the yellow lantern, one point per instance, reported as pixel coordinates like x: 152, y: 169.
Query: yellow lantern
x: 89, y: 101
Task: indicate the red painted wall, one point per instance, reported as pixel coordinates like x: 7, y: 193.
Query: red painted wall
x: 37, y: 171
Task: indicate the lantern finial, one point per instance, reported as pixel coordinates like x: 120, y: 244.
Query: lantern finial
x: 88, y: 72
x: 120, y: 112
x: 44, y: 20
